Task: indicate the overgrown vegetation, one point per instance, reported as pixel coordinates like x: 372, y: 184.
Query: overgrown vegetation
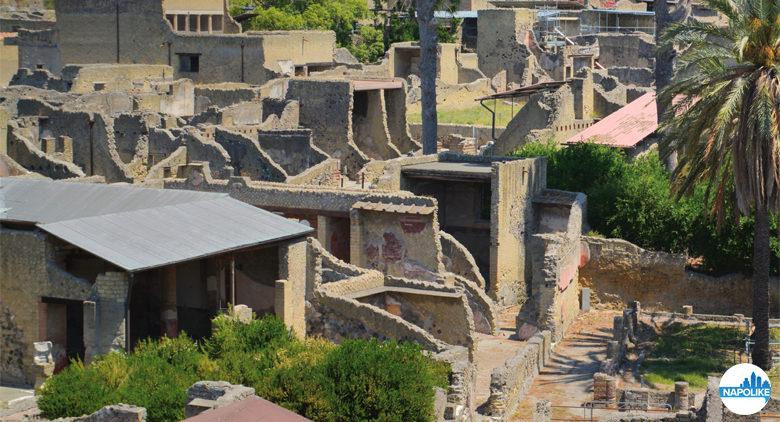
x: 356, y: 380
x: 692, y: 352
x: 367, y: 34
x: 632, y: 200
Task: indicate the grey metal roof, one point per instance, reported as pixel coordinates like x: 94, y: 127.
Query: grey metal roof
x: 167, y: 230
x: 445, y: 169
x: 45, y: 201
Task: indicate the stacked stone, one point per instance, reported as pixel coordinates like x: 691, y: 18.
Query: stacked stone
x: 604, y: 387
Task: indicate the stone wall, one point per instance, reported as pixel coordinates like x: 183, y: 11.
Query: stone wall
x: 326, y: 109
x: 104, y: 315
x: 28, y: 272
x: 483, y: 134
x: 514, y: 184
x: 510, y: 382
x: 98, y: 32
x: 247, y: 158
x: 619, y: 272
x: 501, y: 44
x: 399, y: 243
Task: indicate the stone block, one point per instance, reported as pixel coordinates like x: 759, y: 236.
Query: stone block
x: 585, y: 299
x: 687, y: 310
x: 242, y: 313
x: 636, y: 399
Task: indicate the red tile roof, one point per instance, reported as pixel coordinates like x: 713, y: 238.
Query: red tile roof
x: 250, y: 409
x: 624, y: 128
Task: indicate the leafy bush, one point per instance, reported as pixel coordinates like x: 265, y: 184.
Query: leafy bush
x: 388, y: 381
x: 633, y: 200
x: 77, y: 390
x: 319, y: 380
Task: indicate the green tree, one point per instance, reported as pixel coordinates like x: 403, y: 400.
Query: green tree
x: 722, y: 119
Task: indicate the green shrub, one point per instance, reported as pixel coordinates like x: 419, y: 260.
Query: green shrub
x: 633, y: 200
x: 369, y: 380
x: 358, y: 380
x: 298, y: 380
x: 76, y: 391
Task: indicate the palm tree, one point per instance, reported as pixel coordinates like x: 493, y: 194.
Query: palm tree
x: 428, y: 59
x: 723, y: 119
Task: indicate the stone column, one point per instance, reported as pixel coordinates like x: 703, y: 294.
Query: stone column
x: 617, y: 328
x: 681, y: 396
x: 168, y: 313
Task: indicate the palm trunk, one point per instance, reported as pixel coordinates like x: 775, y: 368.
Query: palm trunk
x: 428, y: 59
x: 761, y: 255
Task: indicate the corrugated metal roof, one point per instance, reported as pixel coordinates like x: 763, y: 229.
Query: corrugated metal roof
x: 156, y: 231
x: 624, y: 128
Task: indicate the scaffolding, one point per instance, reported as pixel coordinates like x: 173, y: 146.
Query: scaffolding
x: 553, y: 26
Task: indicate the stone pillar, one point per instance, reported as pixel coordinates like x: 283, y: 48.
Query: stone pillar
x: 637, y: 308
x: 292, y: 268
x: 543, y: 411
x: 168, y: 313
x: 613, y: 349
x: 585, y: 302
x: 617, y: 328
x: 604, y: 388
x: 681, y: 396
x: 687, y: 310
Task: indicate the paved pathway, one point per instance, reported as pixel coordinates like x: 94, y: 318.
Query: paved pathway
x: 568, y: 380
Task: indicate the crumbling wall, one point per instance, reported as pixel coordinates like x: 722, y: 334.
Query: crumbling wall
x: 458, y: 260
x: 556, y: 255
x: 542, y: 111
x: 502, y: 43
x: 291, y: 149
x: 618, y: 272
x: 483, y: 134
x: 514, y: 184
x: 246, y: 157
x: 622, y: 50
x: 201, y: 149
x: 38, y: 48
x: 94, y: 146
x: 326, y: 109
x: 395, y: 106
x: 22, y: 151
x: 326, y: 173
x: 224, y: 95
x: 369, y: 125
